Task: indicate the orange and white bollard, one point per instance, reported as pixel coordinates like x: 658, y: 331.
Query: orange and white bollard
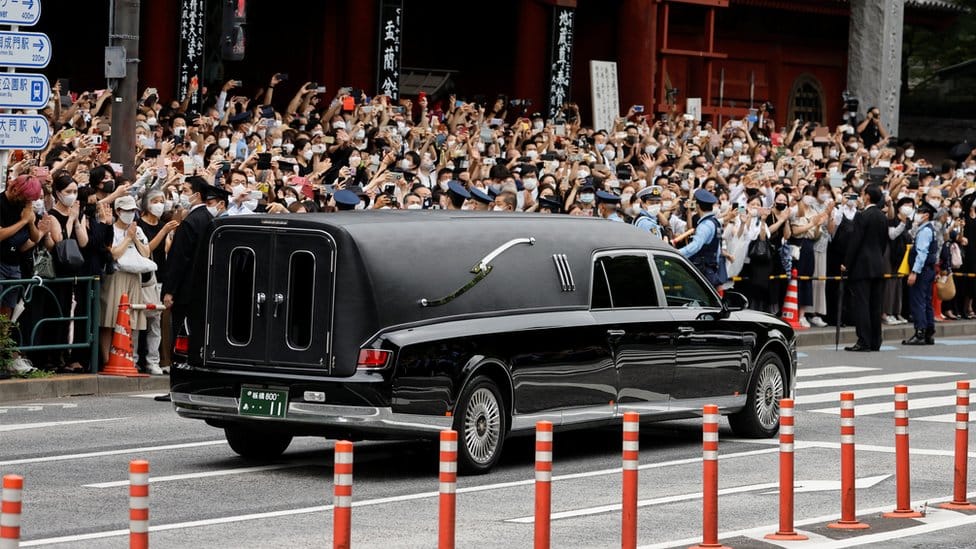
x: 848, y: 519
x: 10, y: 508
x: 448, y: 490
x: 959, y: 501
x: 631, y: 454
x: 786, y: 423
x: 543, y: 482
x: 710, y: 419
x: 903, y: 484
x: 342, y: 502
x: 138, y: 504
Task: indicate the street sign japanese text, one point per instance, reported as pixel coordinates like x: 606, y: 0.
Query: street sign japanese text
x: 20, y: 12
x: 24, y: 49
x: 23, y: 131
x: 23, y: 91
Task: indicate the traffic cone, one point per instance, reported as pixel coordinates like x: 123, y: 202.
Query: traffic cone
x: 120, y: 361
x: 791, y: 308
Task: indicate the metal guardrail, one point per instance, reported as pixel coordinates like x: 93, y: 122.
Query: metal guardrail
x: 89, y: 336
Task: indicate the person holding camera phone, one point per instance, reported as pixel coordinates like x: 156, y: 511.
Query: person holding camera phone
x: 871, y: 130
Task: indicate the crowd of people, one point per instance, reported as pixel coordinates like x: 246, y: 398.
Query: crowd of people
x: 763, y: 199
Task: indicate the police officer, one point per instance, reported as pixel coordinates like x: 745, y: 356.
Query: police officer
x: 705, y: 248
x: 607, y: 203
x: 650, y: 207
x: 922, y: 258
x: 457, y: 194
x: 346, y: 200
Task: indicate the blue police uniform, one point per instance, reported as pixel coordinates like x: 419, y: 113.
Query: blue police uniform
x: 922, y: 259
x: 705, y: 248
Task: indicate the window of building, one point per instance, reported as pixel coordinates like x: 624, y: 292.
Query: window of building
x: 807, y: 100
x: 623, y: 281
x: 301, y: 298
x: 240, y: 296
x: 681, y: 287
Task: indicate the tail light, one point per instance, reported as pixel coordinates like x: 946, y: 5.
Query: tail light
x: 182, y: 345
x: 373, y: 359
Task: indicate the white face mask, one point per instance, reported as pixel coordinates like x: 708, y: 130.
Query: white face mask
x: 874, y: 153
x: 250, y: 205
x: 498, y: 209
x: 666, y: 205
x: 354, y: 161
x: 724, y: 172
x: 810, y: 200
x: 339, y: 125
x: 405, y: 165
x: 156, y: 208
x: 650, y: 149
x: 586, y: 198
x: 307, y: 155
x: 610, y: 154
x: 185, y: 202
x: 824, y: 197
x: 252, y: 180
x: 147, y: 141
x: 833, y: 153
x: 413, y: 206
x: 531, y: 155
x: 530, y: 183
x: 935, y: 203
x: 728, y: 152
x: 289, y: 200
x: 625, y: 198
x: 288, y: 147
x: 582, y: 174
x: 360, y: 135
x: 736, y: 145
x: 276, y: 142
x: 654, y: 209
x: 907, y: 211
x: 910, y: 153
x: 223, y: 142
x: 853, y: 145
x: 212, y: 210
x: 69, y: 199
x: 127, y: 217
x: 151, y: 121
x: 956, y: 212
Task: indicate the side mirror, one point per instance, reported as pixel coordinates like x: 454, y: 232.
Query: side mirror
x: 734, y: 301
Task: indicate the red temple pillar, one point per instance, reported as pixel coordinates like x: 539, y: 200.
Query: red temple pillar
x: 637, y: 53
x: 360, y: 56
x: 159, y: 30
x: 532, y: 53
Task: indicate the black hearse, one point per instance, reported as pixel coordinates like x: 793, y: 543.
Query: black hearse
x: 369, y: 325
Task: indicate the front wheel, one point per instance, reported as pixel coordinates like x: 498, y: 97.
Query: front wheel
x: 256, y: 445
x: 480, y: 423
x: 760, y: 417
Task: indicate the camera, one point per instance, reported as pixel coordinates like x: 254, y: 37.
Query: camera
x: 851, y: 104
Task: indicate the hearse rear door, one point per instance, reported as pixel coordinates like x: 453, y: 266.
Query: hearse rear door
x: 270, y: 297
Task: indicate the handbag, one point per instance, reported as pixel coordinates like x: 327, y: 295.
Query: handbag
x: 955, y: 255
x: 68, y: 256
x: 945, y: 286
x: 133, y: 262
x: 150, y: 294
x: 903, y: 268
x: 759, y: 251
x: 43, y: 263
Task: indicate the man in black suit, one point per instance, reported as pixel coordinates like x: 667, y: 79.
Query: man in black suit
x: 864, y: 267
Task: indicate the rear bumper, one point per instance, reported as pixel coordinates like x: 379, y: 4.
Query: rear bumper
x: 306, y: 416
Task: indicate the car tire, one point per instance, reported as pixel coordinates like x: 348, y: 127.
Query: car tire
x: 256, y: 445
x: 480, y: 422
x: 760, y: 416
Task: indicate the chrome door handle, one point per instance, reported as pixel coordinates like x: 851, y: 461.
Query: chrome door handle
x: 259, y: 299
x: 616, y: 333
x: 278, y: 300
x: 686, y: 330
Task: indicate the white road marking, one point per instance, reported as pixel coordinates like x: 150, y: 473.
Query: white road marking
x: 38, y: 407
x: 42, y: 425
x: 123, y: 451
x: 831, y: 370
x: 207, y: 474
x: 860, y: 447
x: 871, y: 380
x: 943, y: 418
x: 889, y: 407
x: 874, y: 392
x: 148, y: 395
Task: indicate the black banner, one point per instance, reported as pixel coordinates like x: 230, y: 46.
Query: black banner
x: 192, y: 40
x: 561, y: 58
x: 391, y: 27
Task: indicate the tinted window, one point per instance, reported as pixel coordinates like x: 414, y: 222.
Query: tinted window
x: 681, y: 287
x: 601, y: 292
x: 630, y: 282
x: 240, y: 298
x: 301, y: 292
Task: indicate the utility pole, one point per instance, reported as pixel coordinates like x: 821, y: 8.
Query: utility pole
x: 124, y: 31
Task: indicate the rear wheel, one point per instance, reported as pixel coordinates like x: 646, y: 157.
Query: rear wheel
x: 480, y: 423
x: 256, y: 445
x: 760, y: 417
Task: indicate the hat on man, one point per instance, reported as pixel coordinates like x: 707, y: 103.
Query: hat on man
x: 607, y: 197
x: 480, y: 195
x: 239, y: 118
x: 651, y: 192
x: 926, y: 208
x: 206, y: 190
x: 346, y: 199
x: 550, y: 204
x: 704, y: 197
x: 457, y: 188
x: 125, y: 203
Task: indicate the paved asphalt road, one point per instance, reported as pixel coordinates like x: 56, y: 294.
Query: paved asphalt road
x: 74, y: 454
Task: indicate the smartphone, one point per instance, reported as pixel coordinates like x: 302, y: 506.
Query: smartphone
x: 188, y: 166
x: 282, y: 76
x: 41, y: 172
x: 458, y: 104
x: 225, y: 165
x: 96, y: 139
x: 638, y: 108
x: 348, y: 103
x: 152, y: 153
x: 255, y: 195
x: 328, y: 139
x: 320, y: 89
x: 389, y: 188
x: 736, y: 123
x: 69, y: 133
x: 366, y: 109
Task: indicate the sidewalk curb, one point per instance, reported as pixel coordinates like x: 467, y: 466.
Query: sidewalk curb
x: 14, y: 390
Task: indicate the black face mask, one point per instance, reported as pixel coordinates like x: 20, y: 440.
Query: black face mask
x: 108, y: 186
x: 780, y: 206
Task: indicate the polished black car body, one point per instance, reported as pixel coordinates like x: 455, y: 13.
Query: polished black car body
x: 400, y: 324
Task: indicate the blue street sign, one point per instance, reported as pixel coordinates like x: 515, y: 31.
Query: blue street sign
x: 23, y: 91
x: 20, y: 12
x: 24, y: 131
x: 24, y: 49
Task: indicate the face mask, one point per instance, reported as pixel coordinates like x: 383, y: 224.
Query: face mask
x: 601, y: 146
x: 308, y: 154
x: 935, y: 203
x: 250, y: 205
x: 685, y: 186
x: 910, y: 153
x: 654, y: 209
x: 354, y: 161
x: 151, y: 121
x: 339, y: 125
x: 252, y: 180
x: 276, y: 142
x: 444, y: 186
x: 289, y: 200
x: 537, y: 126
x: 185, y: 202
x: 780, y: 206
x: 824, y: 197
x: 582, y: 174
x: 907, y: 211
x: 666, y: 205
x: 288, y: 147
x: 724, y: 206
x: 405, y: 165
x: 223, y: 142
x: 108, y: 187
x: 833, y: 153
x: 956, y: 212
x: 167, y: 206
x: 809, y: 201
x: 237, y: 190
x: 727, y: 152
x: 754, y: 212
x: 360, y: 135
x: 853, y: 146
x: 610, y: 154
x: 724, y: 172
x: 650, y: 149
x: 530, y: 183
x: 147, y: 141
x: 69, y: 199
x: 531, y: 155
x: 874, y: 153
x: 212, y: 210
x: 737, y: 145
x: 127, y: 217
x: 586, y: 198
x: 414, y: 206
x: 156, y: 208
x: 498, y: 209
x: 262, y: 133
x: 318, y: 149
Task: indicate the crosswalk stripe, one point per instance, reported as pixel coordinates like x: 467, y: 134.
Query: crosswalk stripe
x: 831, y: 370
x: 961, y: 359
x: 943, y: 418
x: 870, y: 380
x: 887, y: 407
x: 873, y: 392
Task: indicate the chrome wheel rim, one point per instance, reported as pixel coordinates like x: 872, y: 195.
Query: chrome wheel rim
x: 769, y: 391
x: 482, y: 425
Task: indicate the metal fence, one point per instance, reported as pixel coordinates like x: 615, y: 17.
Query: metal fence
x: 26, y: 336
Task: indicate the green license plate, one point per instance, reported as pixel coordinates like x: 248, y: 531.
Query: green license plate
x: 263, y: 402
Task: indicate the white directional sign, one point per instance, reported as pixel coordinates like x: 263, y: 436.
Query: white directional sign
x: 24, y: 49
x: 23, y: 131
x: 20, y: 12
x: 23, y: 91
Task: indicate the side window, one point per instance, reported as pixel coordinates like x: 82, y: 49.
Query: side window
x: 629, y: 280
x: 601, y: 291
x: 681, y: 287
x: 240, y: 296
x: 301, y: 291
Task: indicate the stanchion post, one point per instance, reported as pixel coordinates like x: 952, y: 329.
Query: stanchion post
x: 786, y: 439
x: 543, y: 482
x: 448, y: 490
x: 710, y: 419
x: 342, y: 502
x: 138, y: 504
x: 959, y: 480
x: 903, y: 482
x: 848, y: 519
x: 631, y: 455
x: 10, y: 509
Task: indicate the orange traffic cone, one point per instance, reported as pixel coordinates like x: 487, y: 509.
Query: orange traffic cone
x: 791, y: 308
x: 120, y: 361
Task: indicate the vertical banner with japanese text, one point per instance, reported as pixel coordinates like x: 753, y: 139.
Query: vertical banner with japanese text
x: 561, y: 58
x: 192, y: 40
x: 606, y: 96
x: 391, y: 26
